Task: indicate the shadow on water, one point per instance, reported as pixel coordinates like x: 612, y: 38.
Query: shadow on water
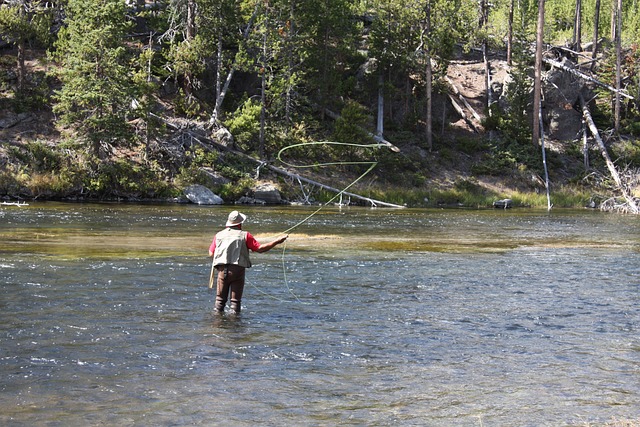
x: 367, y: 317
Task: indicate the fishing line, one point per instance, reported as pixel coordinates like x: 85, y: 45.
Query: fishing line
x: 372, y: 165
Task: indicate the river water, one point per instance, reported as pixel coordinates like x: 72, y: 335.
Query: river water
x: 366, y: 317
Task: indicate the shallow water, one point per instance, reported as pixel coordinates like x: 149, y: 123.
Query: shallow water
x: 368, y: 317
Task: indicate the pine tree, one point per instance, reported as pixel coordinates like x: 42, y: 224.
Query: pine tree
x: 97, y: 86
x: 20, y: 22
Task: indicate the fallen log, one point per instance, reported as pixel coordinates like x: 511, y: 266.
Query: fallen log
x: 457, y: 92
x: 20, y: 204
x: 462, y: 114
x: 585, y: 77
x: 612, y: 168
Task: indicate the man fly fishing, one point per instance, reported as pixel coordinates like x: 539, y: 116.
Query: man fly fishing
x: 230, y: 251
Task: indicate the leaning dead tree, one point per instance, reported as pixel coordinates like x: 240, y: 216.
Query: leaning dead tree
x: 633, y: 207
x: 208, y: 144
x: 587, y: 78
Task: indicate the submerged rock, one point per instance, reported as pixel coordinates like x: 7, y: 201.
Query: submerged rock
x: 502, y: 204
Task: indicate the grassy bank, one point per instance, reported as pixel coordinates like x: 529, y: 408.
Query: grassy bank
x: 41, y: 171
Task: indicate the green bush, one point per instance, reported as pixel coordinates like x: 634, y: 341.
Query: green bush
x: 43, y: 158
x: 233, y: 191
x: 244, y: 125
x: 122, y: 179
x: 9, y: 184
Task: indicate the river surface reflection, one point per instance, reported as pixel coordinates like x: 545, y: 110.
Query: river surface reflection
x: 370, y: 317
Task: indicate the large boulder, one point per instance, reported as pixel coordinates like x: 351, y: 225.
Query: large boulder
x: 269, y: 193
x: 201, y: 195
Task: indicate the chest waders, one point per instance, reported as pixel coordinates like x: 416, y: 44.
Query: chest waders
x: 231, y: 258
x: 230, y: 284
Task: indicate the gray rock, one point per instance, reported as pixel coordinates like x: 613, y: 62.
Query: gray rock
x: 224, y: 137
x: 244, y: 200
x: 201, y: 195
x: 269, y: 193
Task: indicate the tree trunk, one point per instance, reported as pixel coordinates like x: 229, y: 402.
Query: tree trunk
x: 583, y: 76
x: 614, y: 7
x: 219, y: 59
x: 263, y: 84
x: 191, y: 20
x: 428, y: 78
x: 577, y: 27
x: 537, y: 84
x: 605, y: 155
x: 594, y: 50
x: 487, y: 79
x: 510, y: 32
x: 585, y: 145
x: 290, y: 50
x: 22, y: 71
x: 544, y: 160
x: 380, y: 123
x: 618, y: 41
x: 484, y: 19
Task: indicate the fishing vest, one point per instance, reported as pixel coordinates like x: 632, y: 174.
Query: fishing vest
x: 231, y: 248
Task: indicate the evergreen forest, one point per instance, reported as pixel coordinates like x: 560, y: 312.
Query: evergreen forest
x: 418, y: 103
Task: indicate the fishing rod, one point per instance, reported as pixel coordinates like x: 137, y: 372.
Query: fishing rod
x: 372, y: 166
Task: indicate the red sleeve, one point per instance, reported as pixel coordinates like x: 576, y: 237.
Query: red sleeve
x: 212, y: 248
x: 252, y: 243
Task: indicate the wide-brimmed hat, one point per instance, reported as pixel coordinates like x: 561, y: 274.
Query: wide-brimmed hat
x: 235, y: 218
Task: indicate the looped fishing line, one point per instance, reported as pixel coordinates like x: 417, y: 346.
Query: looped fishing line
x: 372, y: 165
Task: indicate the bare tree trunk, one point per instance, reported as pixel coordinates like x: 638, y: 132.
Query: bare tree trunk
x: 510, y: 32
x: 614, y: 7
x: 537, y: 84
x: 612, y: 168
x: 428, y: 78
x: 407, y: 95
x: 487, y: 80
x: 191, y: 20
x: 380, y: 122
x: 577, y: 27
x: 544, y: 161
x: 585, y: 77
x: 594, y: 50
x: 22, y: 71
x: 219, y: 59
x: 484, y: 19
x: 618, y: 41
x: 263, y: 84
x: 585, y: 145
x: 289, y: 90
x: 190, y: 33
